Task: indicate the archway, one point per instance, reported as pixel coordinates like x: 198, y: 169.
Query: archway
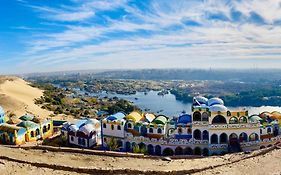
x: 188, y: 151
x: 150, y: 149
x: 128, y: 147
x: 197, y: 151
x: 205, y: 135
x: 158, y: 150
x: 219, y: 119
x: 233, y: 138
x: 178, y: 151
x: 168, y: 152
x: 243, y: 120
x: 253, y: 137
x: 233, y: 120
x: 214, y: 139
x: 142, y: 146
x: 205, y: 152
x: 234, y: 145
x: 196, y: 116
x: 197, y: 134
x: 223, y: 138
x: 243, y: 137
x: 205, y: 116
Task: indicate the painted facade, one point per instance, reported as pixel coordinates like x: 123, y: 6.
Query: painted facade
x: 27, y: 128
x: 85, y: 133
x: 211, y: 129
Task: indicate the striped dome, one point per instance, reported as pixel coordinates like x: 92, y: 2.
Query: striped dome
x: 215, y: 101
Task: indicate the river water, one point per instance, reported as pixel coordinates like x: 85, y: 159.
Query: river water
x: 168, y: 105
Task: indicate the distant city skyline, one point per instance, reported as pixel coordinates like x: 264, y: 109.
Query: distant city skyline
x: 47, y: 36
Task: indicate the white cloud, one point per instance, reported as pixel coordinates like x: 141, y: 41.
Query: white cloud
x: 214, y: 43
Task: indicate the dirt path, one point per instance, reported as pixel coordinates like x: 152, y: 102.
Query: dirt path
x: 263, y: 164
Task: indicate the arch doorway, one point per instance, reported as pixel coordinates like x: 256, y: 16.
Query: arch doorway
x: 179, y: 151
x: 168, y: 152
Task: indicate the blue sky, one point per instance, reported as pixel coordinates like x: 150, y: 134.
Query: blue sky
x: 59, y: 35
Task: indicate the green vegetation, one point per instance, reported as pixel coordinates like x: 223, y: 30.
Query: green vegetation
x: 65, y: 101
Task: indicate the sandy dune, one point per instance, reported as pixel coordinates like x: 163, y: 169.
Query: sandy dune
x: 17, y: 96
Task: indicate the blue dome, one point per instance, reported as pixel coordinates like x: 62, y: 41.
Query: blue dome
x: 184, y: 119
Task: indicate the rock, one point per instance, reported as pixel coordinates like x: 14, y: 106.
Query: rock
x: 45, y: 151
x: 167, y: 159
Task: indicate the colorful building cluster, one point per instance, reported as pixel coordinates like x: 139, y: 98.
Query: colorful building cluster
x: 211, y: 129
x: 25, y: 129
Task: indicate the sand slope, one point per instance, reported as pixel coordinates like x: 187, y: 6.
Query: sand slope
x: 17, y: 96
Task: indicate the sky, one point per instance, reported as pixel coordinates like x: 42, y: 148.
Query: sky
x: 62, y: 35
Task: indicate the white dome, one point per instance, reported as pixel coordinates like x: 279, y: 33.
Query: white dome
x: 73, y: 128
x: 217, y: 108
x: 215, y: 101
x: 87, y: 129
x: 201, y: 100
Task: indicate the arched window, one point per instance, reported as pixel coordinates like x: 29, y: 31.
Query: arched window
x: 112, y: 127
x: 196, y: 116
x: 205, y: 135
x: 205, y: 116
x: 260, y: 131
x: 214, y: 139
x: 223, y: 138
x: 104, y: 125
x: 219, y: 119
x: 178, y: 151
x: 197, y: 134
x: 49, y: 126
x: 253, y: 137
x: 159, y: 131
x: 118, y: 127
x: 233, y: 120
x: 243, y: 137
x: 44, y: 129
x: 129, y: 125
x: 189, y: 131
x: 150, y: 130
x: 243, y: 120
x: 268, y: 130
x: 37, y: 132
x: 32, y: 133
x: 179, y: 131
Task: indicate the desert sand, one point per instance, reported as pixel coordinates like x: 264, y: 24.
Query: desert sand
x: 18, y: 97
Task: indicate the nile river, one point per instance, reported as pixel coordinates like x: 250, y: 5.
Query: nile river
x: 168, y: 105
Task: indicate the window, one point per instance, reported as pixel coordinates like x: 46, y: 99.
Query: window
x: 83, y: 142
x: 159, y: 131
x: 72, y: 138
x: 112, y: 127
x: 179, y: 131
x: 37, y: 132
x: 32, y: 134
x: 49, y: 126
x: 119, y: 127
x: 189, y: 131
x: 261, y: 131
x: 150, y: 130
x: 129, y: 125
x: 104, y: 125
x: 205, y: 116
x: 268, y: 130
x: 44, y: 129
x: 242, y: 120
x: 233, y: 120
